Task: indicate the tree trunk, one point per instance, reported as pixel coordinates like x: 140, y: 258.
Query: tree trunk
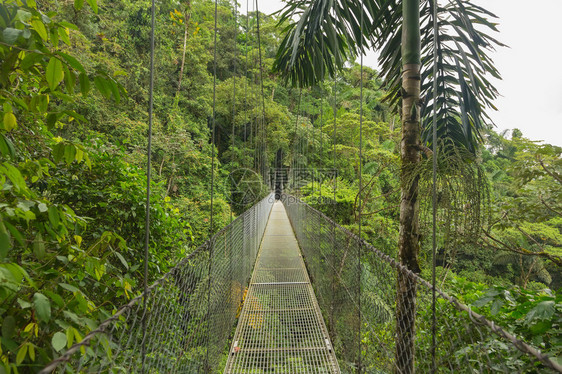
x: 186, y: 27
x: 408, y: 242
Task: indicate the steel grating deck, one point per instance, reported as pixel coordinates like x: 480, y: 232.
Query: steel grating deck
x: 280, y: 329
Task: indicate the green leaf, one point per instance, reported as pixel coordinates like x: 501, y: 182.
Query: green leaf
x: 543, y: 311
x: 69, y: 337
x: 8, y: 327
x: 22, y: 352
x: 102, y: 86
x: 114, y: 90
x: 42, y: 307
x: 69, y: 25
x: 93, y: 5
x: 54, y: 216
x: 5, y: 244
x: 58, y: 341
x: 39, y: 26
x: 31, y: 350
x: 58, y: 152
x: 16, y: 234
x: 69, y: 80
x: 78, y: 4
x: 6, y: 147
x: 84, y: 84
x: 39, y: 246
x: 122, y: 259
x: 10, y: 121
x: 10, y: 35
x: 64, y: 35
x: 69, y: 287
x: 69, y: 153
x: 55, y: 74
x: 73, y: 62
x: 541, y: 327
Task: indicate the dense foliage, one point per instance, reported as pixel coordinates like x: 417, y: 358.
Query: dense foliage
x: 73, y: 125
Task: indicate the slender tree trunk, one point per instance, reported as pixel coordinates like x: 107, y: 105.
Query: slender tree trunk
x: 186, y: 27
x: 409, y: 206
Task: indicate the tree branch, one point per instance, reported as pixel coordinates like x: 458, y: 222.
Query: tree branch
x: 553, y: 174
x: 522, y: 251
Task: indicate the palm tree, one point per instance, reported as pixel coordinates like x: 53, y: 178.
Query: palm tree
x: 323, y: 34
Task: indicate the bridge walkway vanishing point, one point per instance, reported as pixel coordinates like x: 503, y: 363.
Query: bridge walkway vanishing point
x: 281, y: 329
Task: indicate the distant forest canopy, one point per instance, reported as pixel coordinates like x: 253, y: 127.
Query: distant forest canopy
x: 73, y: 95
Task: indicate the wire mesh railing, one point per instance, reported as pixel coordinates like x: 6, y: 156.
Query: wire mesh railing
x: 189, y: 315
x: 379, y: 314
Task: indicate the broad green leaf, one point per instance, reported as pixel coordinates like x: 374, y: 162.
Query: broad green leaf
x: 79, y: 155
x: 5, y: 244
x: 93, y: 5
x: 16, y: 234
x: 6, y: 147
x: 543, y: 311
x: 78, y: 4
x: 114, y: 90
x: 58, y: 152
x: 64, y: 35
x: 31, y: 351
x: 55, y: 74
x: 10, y: 121
x: 10, y: 35
x: 22, y: 352
x: 54, y: 216
x: 103, y: 86
x: 122, y: 259
x: 69, y: 80
x: 68, y: 25
x: 73, y: 62
x: 58, y: 341
x: 54, y: 37
x: 69, y: 337
x: 69, y: 287
x: 541, y: 327
x: 39, y: 246
x: 84, y: 84
x: 39, y: 26
x: 75, y: 115
x: 8, y: 327
x: 69, y: 153
x: 42, y: 307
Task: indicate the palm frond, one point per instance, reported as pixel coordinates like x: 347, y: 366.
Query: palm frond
x: 328, y: 34
x: 321, y: 35
x: 464, y: 67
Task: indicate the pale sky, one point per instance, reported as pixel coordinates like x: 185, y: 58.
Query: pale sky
x: 531, y: 88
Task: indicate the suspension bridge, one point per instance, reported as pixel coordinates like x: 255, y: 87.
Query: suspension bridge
x: 308, y: 296
x: 285, y: 289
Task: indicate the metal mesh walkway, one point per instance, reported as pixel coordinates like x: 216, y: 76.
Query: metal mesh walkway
x: 281, y: 329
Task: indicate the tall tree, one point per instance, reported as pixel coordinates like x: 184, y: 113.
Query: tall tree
x: 329, y: 32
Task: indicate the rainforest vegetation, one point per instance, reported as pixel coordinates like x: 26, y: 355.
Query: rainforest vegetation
x: 73, y: 138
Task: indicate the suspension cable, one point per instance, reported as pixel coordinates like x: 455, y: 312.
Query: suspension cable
x: 255, y: 124
x: 234, y: 93
x: 295, y: 146
x: 234, y: 74
x: 246, y: 82
x: 434, y: 192
x: 148, y: 178
x: 334, y: 140
x: 263, y: 132
x: 359, y: 247
x: 210, y: 267
x: 321, y: 113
